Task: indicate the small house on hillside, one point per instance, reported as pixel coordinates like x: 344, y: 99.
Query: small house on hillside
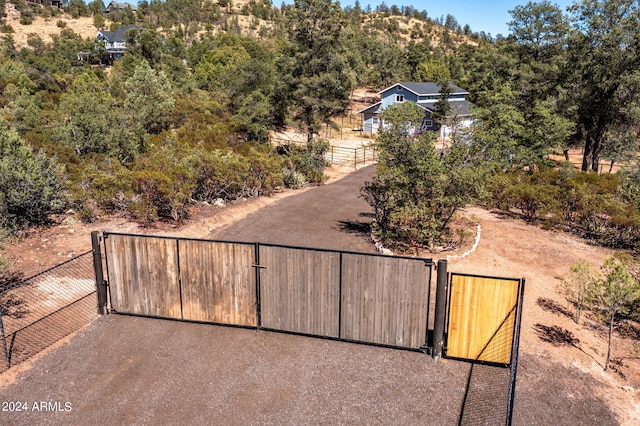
x: 48, y: 3
x: 115, y: 6
x: 426, y: 96
x: 112, y: 44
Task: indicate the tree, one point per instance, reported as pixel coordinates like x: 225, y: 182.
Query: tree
x: 604, y: 51
x: 149, y: 99
x: 99, y: 21
x: 612, y: 296
x: 30, y: 184
x: 583, y: 276
x: 432, y: 71
x: 622, y: 145
x: 416, y: 190
x: 315, y: 64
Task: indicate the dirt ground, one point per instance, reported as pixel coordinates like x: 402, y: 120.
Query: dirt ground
x: 140, y: 370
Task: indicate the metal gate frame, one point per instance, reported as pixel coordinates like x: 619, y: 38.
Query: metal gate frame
x: 515, y: 338
x: 106, y: 302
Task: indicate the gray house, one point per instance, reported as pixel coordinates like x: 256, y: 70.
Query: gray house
x: 115, y: 6
x: 426, y: 96
x: 115, y: 42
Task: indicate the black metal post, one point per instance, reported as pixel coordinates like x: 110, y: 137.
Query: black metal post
x: 514, y: 355
x: 101, y: 285
x: 4, y: 341
x: 441, y: 309
x: 258, y: 295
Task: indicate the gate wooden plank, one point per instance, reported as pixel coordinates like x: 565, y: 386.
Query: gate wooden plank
x: 299, y: 290
x: 384, y: 300
x: 143, y: 275
x: 482, y: 313
x: 218, y: 282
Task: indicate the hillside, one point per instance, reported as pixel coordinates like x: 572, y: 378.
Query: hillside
x: 46, y: 27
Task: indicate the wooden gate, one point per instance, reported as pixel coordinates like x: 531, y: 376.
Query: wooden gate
x: 348, y: 296
x: 482, y: 318
x: 196, y: 280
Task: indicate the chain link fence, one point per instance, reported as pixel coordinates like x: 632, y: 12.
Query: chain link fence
x: 40, y: 310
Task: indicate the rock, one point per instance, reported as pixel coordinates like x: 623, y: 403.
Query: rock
x: 628, y: 388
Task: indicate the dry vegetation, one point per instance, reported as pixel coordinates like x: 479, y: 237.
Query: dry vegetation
x: 46, y: 27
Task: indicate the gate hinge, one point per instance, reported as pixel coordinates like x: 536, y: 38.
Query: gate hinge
x: 259, y: 266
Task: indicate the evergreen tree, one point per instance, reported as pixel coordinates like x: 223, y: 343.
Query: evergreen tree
x: 315, y: 64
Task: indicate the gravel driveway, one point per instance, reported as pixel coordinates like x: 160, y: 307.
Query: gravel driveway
x: 130, y: 370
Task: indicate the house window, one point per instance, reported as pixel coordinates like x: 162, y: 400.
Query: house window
x: 428, y: 123
x: 399, y: 98
x: 375, y: 120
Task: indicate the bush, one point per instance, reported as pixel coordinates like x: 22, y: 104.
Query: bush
x: 293, y: 179
x: 535, y: 201
x: 26, y: 20
x: 308, y: 161
x: 597, y: 207
x: 61, y: 24
x: 30, y: 184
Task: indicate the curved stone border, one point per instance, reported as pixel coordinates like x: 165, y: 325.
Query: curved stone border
x: 472, y: 249
x: 383, y: 250
x: 379, y: 246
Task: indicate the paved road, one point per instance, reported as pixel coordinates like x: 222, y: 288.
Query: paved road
x: 328, y: 216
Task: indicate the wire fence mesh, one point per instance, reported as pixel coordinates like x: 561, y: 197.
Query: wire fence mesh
x: 40, y: 310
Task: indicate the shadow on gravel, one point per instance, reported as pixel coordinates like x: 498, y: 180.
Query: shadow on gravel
x: 352, y: 227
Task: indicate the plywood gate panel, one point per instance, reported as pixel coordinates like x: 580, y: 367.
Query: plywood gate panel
x: 385, y: 300
x: 299, y: 290
x: 482, y: 314
x: 218, y: 282
x: 143, y: 275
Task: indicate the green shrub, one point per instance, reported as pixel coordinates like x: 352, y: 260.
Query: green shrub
x: 26, y: 20
x: 293, y: 179
x: 535, y: 201
x: 30, y: 184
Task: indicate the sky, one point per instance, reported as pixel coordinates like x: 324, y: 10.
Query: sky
x: 490, y: 16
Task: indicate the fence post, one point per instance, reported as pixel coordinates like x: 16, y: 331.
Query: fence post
x: 514, y: 354
x: 101, y: 285
x: 4, y: 342
x: 441, y: 309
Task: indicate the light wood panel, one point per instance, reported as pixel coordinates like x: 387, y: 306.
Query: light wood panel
x: 482, y: 314
x: 143, y: 275
x: 218, y: 282
x: 299, y: 290
x: 384, y: 300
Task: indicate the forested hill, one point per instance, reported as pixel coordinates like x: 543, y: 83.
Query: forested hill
x: 185, y: 116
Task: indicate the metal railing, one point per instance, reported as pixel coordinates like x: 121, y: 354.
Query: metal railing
x: 347, y: 156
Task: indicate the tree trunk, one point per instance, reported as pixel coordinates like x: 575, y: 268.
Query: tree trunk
x: 597, y: 148
x: 611, y: 167
x: 586, y: 156
x: 606, y: 362
x: 566, y: 154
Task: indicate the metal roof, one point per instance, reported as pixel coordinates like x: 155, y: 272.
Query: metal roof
x: 427, y: 88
